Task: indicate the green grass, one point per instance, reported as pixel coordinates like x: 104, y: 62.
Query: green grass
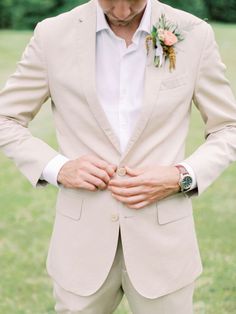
x: 27, y: 214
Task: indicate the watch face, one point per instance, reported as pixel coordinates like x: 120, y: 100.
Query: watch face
x: 186, y: 182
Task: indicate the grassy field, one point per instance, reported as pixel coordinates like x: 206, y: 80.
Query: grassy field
x: 26, y: 215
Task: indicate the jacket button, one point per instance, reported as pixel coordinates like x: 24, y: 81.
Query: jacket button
x: 114, y: 217
x: 121, y: 172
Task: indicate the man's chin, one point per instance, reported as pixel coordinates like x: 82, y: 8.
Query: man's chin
x: 119, y: 23
x: 115, y: 22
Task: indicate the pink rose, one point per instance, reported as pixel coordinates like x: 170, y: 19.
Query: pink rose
x: 170, y: 38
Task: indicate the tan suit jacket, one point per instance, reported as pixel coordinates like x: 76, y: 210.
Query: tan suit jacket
x: 159, y: 241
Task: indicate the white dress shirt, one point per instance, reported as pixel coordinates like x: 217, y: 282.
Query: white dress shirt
x: 120, y: 72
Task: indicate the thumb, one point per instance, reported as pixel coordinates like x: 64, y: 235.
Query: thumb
x: 114, y: 167
x: 133, y: 172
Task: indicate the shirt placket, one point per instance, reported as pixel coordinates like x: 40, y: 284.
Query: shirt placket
x: 123, y: 102
x: 124, y: 99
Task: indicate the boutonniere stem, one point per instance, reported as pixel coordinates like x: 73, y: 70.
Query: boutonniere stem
x: 163, y: 38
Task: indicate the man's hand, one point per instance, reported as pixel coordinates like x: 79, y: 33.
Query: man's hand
x: 145, y: 186
x: 87, y: 172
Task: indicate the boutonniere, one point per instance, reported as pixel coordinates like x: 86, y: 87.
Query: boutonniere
x: 164, y: 36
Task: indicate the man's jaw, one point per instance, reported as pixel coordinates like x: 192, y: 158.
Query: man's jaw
x: 118, y: 22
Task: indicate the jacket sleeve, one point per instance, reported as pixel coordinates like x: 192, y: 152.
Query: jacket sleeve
x: 214, y: 99
x: 20, y: 100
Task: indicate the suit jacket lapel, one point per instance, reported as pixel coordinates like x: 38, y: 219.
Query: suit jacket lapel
x: 153, y: 79
x: 87, y: 67
x: 87, y: 62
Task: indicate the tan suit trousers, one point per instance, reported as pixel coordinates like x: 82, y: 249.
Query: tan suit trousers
x: 108, y: 297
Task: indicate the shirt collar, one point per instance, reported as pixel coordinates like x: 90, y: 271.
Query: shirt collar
x: 143, y: 26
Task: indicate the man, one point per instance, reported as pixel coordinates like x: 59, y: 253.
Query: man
x: 124, y: 219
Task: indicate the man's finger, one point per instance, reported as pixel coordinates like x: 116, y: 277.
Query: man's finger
x: 133, y: 172
x: 130, y: 200
x: 139, y: 205
x: 96, y: 161
x: 102, y: 164
x: 126, y: 191
x: 125, y: 183
x: 99, y: 173
x: 110, y: 169
x: 88, y: 186
x: 95, y: 181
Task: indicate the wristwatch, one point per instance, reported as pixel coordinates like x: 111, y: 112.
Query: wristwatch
x: 185, y: 180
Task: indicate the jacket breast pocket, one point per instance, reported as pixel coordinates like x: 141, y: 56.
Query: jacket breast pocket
x: 174, y: 208
x: 175, y: 82
x: 70, y: 204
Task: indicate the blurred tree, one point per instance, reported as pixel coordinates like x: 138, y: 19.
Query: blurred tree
x: 24, y: 14
x: 66, y: 5
x: 222, y: 10
x: 5, y: 13
x: 197, y: 7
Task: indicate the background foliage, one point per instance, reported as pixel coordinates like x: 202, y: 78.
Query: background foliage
x: 197, y: 7
x: 24, y: 14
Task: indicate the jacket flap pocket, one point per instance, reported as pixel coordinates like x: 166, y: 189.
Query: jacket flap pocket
x: 69, y: 203
x: 174, y: 208
x: 174, y: 82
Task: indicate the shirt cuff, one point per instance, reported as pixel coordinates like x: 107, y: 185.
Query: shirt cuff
x: 52, y: 169
x: 192, y: 174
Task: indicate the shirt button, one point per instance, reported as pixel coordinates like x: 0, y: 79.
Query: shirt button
x: 114, y: 217
x: 121, y: 172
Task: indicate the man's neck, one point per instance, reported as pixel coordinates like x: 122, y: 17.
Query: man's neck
x: 127, y: 31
